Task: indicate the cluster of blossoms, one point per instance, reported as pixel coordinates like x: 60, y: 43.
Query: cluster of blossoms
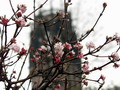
x: 58, y: 47
x: 62, y: 53
x: 16, y: 48
x: 20, y: 20
x: 68, y: 49
x: 61, y: 48
x: 37, y: 56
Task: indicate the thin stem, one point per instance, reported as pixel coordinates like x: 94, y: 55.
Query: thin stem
x: 5, y: 35
x: 23, y: 65
x: 14, y: 36
x: 37, y: 8
x: 2, y: 33
x: 92, y: 29
x: 49, y: 41
x: 12, y: 6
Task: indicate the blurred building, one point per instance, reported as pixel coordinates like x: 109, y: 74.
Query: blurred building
x: 38, y: 36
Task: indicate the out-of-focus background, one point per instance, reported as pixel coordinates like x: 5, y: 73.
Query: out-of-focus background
x: 84, y: 13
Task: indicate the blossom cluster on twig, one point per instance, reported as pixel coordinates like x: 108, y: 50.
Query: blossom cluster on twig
x: 59, y: 54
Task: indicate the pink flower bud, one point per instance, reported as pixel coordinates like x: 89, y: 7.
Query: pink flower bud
x: 4, y: 21
x: 33, y: 60
x: 19, y: 14
x: 80, y: 55
x: 85, y: 82
x: 102, y: 77
x: 85, y: 67
x: 116, y: 65
x: 58, y: 87
x: 57, y: 60
x: 23, y: 52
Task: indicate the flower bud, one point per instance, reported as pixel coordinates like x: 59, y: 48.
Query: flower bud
x: 102, y: 77
x: 104, y: 5
x: 19, y: 14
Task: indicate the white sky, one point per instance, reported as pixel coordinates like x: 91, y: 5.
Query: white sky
x: 86, y: 13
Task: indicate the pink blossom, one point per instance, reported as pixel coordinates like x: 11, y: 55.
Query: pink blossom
x: 78, y: 45
x: 85, y: 67
x: 21, y: 22
x: 85, y: 82
x: 58, y: 87
x: 67, y: 46
x: 118, y: 39
x: 37, y: 56
x: 90, y: 45
x: 42, y: 48
x: 23, y: 52
x: 33, y: 60
x: 57, y: 60
x: 80, y: 55
x: 58, y: 47
x: 14, y: 47
x: 102, y: 77
x: 4, y: 21
x: 115, y: 56
x: 22, y: 8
